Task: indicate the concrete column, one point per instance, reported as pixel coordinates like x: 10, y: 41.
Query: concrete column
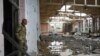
x: 99, y: 22
x: 32, y: 15
x: 96, y: 24
x: 79, y: 26
x: 93, y: 27
x: 1, y: 24
x: 84, y: 26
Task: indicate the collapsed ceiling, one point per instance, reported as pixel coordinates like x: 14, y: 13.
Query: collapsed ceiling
x: 48, y: 8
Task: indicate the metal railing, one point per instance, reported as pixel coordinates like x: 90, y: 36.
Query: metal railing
x: 13, y: 42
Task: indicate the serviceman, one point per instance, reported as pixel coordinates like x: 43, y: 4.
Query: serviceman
x: 21, y: 36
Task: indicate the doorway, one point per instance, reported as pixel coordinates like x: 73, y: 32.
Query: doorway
x: 9, y: 26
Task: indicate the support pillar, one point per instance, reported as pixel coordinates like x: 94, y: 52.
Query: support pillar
x: 93, y: 27
x: 1, y: 25
x: 99, y: 22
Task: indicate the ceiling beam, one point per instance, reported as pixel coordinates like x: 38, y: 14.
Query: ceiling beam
x: 86, y: 5
x: 54, y: 3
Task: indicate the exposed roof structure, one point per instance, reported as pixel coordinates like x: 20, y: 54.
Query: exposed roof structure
x: 49, y: 8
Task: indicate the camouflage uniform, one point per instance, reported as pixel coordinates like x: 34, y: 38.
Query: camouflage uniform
x: 21, y: 36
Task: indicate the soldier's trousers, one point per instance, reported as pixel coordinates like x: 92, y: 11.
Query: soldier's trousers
x: 22, y: 51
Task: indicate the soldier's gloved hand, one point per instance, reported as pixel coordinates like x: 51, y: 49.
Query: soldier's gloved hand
x: 26, y: 48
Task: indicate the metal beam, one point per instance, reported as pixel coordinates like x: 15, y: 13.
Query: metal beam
x: 95, y: 2
x: 54, y: 3
x: 13, y: 53
x: 74, y: 3
x: 86, y: 5
x: 68, y: 11
x: 85, y: 2
x: 12, y: 41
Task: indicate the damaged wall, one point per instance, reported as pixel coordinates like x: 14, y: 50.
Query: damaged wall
x: 32, y: 15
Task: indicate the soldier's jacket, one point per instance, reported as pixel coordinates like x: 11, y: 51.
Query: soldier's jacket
x: 21, y: 33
